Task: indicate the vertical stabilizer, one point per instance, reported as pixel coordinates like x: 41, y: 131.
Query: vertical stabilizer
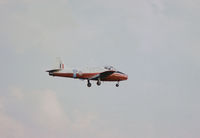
x: 60, y: 64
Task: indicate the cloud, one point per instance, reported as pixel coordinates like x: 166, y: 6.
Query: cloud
x: 75, y: 27
x: 50, y: 115
x: 34, y: 25
x: 10, y: 127
x: 63, y: 26
x: 17, y: 93
x: 40, y: 114
x: 160, y: 37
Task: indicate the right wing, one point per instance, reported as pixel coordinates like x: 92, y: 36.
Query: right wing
x: 102, y: 75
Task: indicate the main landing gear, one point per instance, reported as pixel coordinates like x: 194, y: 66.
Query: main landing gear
x: 89, y: 84
x: 98, y: 82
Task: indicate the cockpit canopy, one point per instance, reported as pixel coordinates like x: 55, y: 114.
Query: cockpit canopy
x: 109, y: 68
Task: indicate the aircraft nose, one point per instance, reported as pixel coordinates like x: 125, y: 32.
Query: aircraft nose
x: 125, y: 77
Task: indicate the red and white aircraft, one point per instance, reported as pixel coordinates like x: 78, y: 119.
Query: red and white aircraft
x: 107, y: 73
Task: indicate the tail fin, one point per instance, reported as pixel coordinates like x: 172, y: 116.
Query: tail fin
x: 58, y: 67
x: 60, y: 64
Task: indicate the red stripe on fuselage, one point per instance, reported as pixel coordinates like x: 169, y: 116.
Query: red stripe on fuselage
x: 112, y: 77
x: 79, y: 76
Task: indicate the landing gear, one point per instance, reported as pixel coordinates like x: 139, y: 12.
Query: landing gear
x: 98, y: 82
x: 89, y: 84
x: 117, y: 85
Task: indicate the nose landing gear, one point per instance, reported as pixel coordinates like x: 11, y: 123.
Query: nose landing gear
x: 117, y: 85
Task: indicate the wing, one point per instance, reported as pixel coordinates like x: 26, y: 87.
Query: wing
x: 102, y: 75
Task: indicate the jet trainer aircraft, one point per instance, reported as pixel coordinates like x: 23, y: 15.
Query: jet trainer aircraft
x: 107, y: 73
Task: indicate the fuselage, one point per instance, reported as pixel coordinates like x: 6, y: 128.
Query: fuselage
x: 89, y: 73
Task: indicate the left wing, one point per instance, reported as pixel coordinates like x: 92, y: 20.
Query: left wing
x: 102, y: 75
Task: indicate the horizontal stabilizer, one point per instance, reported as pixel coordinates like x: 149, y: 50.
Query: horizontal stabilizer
x: 53, y: 70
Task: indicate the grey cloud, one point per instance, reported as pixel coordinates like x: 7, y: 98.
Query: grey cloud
x: 40, y: 114
x: 154, y: 42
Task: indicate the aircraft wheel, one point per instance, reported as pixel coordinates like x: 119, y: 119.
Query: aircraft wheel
x: 98, y: 83
x: 89, y: 84
x: 117, y: 85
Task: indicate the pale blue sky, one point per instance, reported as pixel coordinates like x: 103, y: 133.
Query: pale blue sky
x: 156, y: 42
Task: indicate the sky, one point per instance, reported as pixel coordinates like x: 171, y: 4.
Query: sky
x: 155, y: 42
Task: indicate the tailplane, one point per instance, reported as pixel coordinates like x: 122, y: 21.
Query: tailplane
x: 59, y: 66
